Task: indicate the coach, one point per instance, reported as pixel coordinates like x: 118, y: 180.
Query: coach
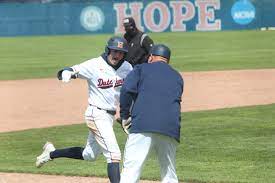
x: 152, y: 94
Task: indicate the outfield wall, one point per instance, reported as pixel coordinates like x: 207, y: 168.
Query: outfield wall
x: 152, y: 16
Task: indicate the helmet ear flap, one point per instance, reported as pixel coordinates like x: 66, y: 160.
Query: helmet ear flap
x: 107, y: 50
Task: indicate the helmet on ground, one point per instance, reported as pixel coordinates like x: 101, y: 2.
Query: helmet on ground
x: 116, y: 43
x: 160, y: 50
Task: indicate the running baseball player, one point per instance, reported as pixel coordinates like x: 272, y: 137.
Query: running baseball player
x: 105, y: 75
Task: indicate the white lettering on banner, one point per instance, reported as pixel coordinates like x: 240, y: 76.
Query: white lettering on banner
x: 121, y: 14
x: 244, y: 14
x: 182, y: 11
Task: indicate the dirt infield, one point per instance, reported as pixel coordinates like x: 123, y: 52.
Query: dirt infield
x: 37, y: 178
x: 47, y: 102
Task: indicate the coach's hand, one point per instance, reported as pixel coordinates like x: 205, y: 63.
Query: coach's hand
x: 126, y: 125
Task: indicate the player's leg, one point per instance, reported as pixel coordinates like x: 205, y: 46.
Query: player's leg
x: 71, y: 152
x: 101, y: 125
x: 90, y: 152
x: 166, y: 151
x: 92, y: 149
x: 136, y: 150
x: 50, y: 153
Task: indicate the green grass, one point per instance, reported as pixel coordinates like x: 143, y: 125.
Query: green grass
x: 39, y: 57
x: 227, y: 145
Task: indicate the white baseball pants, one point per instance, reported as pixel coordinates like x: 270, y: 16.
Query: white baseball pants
x: 138, y: 147
x: 101, y: 138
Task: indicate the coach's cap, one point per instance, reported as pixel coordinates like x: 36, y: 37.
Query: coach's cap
x: 129, y: 21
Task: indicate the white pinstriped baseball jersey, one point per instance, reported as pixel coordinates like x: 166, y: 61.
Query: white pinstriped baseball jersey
x: 104, y: 82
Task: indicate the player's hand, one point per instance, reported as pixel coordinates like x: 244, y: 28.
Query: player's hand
x: 66, y: 76
x: 126, y: 125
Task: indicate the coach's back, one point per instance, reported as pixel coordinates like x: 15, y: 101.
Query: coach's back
x: 157, y: 101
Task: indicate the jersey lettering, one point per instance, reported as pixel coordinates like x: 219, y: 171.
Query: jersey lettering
x: 104, y: 84
x: 109, y: 83
x: 119, y: 82
x: 103, y: 81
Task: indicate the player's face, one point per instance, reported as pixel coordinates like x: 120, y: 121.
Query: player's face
x: 115, y: 56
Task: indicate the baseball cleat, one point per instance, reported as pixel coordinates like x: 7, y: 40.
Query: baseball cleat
x: 45, y: 156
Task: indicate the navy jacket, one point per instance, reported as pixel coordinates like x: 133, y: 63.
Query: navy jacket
x: 156, y: 90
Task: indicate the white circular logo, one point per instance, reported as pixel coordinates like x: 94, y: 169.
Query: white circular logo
x: 243, y: 12
x: 92, y: 18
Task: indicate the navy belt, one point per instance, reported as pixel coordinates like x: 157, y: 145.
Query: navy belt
x: 108, y: 111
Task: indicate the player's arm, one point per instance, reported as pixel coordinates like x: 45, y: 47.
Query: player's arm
x: 66, y: 74
x: 83, y: 71
x: 86, y: 69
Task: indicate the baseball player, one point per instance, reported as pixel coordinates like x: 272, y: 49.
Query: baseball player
x: 152, y: 94
x: 105, y: 75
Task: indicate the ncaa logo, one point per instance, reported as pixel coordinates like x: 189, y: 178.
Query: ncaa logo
x: 243, y: 12
x: 92, y: 18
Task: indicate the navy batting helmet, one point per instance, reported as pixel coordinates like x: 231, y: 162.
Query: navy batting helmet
x: 160, y: 50
x: 116, y: 43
